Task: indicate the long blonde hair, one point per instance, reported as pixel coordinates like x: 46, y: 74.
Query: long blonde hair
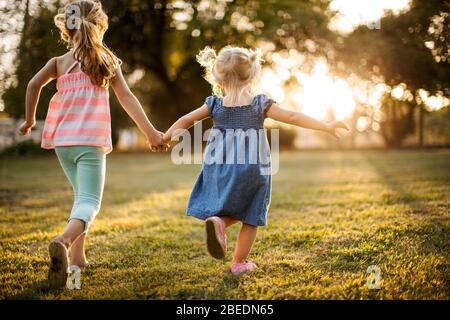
x: 82, y: 24
x: 233, y: 70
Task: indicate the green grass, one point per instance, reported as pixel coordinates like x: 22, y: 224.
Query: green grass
x: 332, y: 215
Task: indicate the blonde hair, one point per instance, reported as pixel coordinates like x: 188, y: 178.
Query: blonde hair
x: 82, y: 24
x: 233, y: 69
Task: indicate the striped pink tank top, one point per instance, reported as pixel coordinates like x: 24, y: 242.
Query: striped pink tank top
x: 78, y: 114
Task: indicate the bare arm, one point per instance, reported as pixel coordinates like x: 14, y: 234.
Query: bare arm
x: 302, y: 120
x: 40, y: 80
x: 186, y: 121
x: 131, y: 105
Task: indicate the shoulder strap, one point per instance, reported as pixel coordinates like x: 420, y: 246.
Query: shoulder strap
x: 72, y: 67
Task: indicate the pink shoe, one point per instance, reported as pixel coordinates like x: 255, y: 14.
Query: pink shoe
x: 216, y: 240
x: 242, y: 267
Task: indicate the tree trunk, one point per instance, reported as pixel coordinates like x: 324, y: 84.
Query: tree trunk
x: 18, y: 113
x: 421, y: 125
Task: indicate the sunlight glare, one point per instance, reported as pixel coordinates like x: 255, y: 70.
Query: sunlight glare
x: 352, y: 13
x: 317, y: 93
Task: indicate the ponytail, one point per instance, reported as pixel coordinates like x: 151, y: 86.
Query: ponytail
x: 86, y: 38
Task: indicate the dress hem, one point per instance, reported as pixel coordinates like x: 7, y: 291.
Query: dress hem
x: 203, y: 215
x: 107, y: 149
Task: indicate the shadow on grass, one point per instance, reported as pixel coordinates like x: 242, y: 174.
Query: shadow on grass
x: 229, y: 283
x: 35, y: 291
x: 433, y: 232
x: 397, y: 193
x: 407, y: 246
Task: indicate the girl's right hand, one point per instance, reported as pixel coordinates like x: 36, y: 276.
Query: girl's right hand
x: 156, y: 142
x: 26, y: 127
x: 167, y: 139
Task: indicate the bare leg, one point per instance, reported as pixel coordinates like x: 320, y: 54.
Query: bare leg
x: 77, y: 252
x: 244, y: 243
x: 57, y: 249
x: 73, y: 230
x: 229, y: 221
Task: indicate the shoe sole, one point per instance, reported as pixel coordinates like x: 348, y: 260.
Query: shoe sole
x: 243, y: 272
x: 57, y: 273
x: 215, y: 248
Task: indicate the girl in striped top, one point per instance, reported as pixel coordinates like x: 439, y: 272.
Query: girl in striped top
x: 78, y: 124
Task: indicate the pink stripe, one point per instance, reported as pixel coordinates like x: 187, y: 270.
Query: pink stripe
x: 53, y: 104
x: 94, y: 102
x: 76, y: 133
x: 81, y: 86
x: 79, y: 117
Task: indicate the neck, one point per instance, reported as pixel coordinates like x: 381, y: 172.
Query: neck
x: 238, y: 96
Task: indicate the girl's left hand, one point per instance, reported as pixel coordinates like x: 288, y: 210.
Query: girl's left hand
x: 336, y: 125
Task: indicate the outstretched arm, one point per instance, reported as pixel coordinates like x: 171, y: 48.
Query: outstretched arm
x: 40, y: 80
x: 301, y: 120
x: 131, y: 105
x: 186, y: 121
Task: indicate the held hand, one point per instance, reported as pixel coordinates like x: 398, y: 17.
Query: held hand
x: 336, y: 125
x: 167, y: 138
x: 156, y: 143
x: 164, y: 147
x: 26, y: 127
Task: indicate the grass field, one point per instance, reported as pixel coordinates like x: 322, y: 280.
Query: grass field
x: 333, y: 214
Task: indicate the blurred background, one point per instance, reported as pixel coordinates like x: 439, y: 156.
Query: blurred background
x: 381, y: 66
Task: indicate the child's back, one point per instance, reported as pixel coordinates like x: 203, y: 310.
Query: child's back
x: 79, y: 112
x: 234, y: 179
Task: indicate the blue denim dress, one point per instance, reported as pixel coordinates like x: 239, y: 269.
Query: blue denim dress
x: 236, y: 176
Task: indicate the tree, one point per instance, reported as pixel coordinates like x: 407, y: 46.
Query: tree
x: 12, y: 16
x: 398, y: 122
x: 162, y: 38
x: 400, y: 52
x: 38, y: 43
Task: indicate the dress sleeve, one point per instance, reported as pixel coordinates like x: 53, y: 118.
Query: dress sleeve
x: 265, y: 103
x: 211, y: 102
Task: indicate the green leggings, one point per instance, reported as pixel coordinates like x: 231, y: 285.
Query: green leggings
x: 85, y: 168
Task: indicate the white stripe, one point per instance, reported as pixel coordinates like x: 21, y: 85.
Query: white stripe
x: 74, y: 110
x: 86, y: 94
x: 76, y: 82
x: 78, y: 125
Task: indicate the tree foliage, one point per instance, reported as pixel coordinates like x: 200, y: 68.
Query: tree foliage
x: 409, y: 49
x: 398, y: 52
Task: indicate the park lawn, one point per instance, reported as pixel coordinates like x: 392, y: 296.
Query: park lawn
x: 333, y: 214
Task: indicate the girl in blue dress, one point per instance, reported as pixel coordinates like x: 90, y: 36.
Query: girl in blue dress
x: 235, y: 182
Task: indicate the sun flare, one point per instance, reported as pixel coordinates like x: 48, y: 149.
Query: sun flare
x: 318, y: 93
